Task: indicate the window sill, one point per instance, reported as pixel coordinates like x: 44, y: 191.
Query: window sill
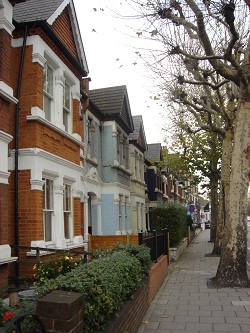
x: 138, y: 181
x: 122, y: 168
x: 70, y: 246
x: 91, y: 160
x: 7, y: 260
x: 158, y: 191
x: 55, y: 128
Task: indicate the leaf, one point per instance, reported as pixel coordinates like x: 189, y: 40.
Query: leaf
x: 154, y: 32
x: 139, y: 33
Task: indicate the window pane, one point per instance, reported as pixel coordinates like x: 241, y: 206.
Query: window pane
x: 67, y: 96
x: 47, y: 226
x: 67, y: 198
x: 48, y: 79
x: 47, y: 107
x: 48, y: 194
x: 66, y: 225
x: 66, y: 120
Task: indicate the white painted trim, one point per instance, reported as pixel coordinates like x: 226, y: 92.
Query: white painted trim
x: 4, y: 177
x: 59, y: 10
x: 5, y: 137
x: 36, y: 184
x: 33, y: 152
x: 7, y: 93
x: 37, y: 57
x: 5, y: 254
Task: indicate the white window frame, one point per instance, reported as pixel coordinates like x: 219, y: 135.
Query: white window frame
x: 67, y: 106
x: 47, y: 92
x: 67, y: 112
x: 126, y: 212
x: 48, y: 212
x: 120, y: 212
x: 67, y: 211
x: 90, y: 127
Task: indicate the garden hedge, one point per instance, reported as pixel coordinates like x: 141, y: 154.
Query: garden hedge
x: 173, y: 216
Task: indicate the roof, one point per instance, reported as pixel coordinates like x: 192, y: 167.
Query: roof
x: 113, y: 101
x: 138, y: 136
x: 35, y: 10
x: 47, y: 11
x: 154, y: 152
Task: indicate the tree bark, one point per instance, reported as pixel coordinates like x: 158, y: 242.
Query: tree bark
x: 232, y: 269
x: 224, y: 189
x: 214, y: 206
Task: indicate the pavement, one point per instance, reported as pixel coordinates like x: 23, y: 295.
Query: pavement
x: 185, y: 303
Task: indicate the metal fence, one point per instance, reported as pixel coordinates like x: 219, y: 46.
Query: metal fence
x: 157, y: 241
x: 23, y: 271
x: 24, y: 323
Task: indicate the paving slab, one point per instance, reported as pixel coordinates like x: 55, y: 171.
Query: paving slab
x: 186, y: 304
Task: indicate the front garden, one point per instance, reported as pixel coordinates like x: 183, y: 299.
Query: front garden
x: 107, y: 281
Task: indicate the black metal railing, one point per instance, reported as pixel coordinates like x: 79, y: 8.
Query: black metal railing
x: 24, y: 323
x: 34, y: 256
x: 157, y: 241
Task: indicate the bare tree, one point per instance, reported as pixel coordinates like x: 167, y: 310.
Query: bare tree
x: 213, y: 36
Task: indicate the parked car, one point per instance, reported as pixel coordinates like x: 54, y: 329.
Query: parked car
x: 207, y: 225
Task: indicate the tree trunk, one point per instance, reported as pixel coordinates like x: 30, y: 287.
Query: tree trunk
x: 214, y: 178
x: 214, y: 206
x: 232, y: 270
x: 224, y: 189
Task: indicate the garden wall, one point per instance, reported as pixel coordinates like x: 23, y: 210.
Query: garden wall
x: 130, y: 317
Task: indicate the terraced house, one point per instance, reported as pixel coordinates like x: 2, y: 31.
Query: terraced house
x: 42, y: 141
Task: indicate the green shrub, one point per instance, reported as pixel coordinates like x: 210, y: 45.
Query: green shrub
x: 106, y: 282
x: 141, y: 252
x: 173, y: 216
x: 55, y: 265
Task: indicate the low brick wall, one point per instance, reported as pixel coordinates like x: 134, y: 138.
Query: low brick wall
x: 132, y: 312
x: 61, y: 311
x: 157, y: 275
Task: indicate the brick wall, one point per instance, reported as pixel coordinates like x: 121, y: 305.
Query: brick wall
x: 5, y: 57
x: 3, y: 280
x: 3, y: 214
x: 157, y: 275
x: 62, y: 28
x: 132, y: 312
x: 61, y: 311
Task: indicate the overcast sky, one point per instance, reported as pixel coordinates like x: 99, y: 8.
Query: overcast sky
x: 113, y: 61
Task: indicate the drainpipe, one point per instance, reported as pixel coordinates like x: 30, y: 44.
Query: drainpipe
x: 16, y: 188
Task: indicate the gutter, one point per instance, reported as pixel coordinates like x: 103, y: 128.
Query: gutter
x: 16, y: 187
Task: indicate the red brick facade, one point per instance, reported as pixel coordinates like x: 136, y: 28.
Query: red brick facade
x: 36, y: 135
